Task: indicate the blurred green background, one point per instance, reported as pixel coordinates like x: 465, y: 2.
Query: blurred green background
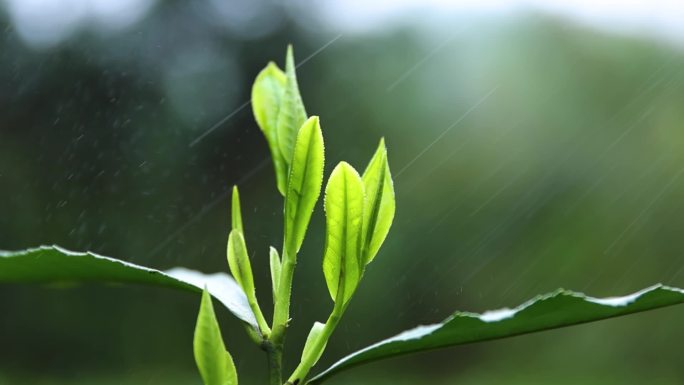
x: 530, y: 151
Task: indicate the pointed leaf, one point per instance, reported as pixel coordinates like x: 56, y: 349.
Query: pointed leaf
x: 304, y: 183
x: 241, y: 268
x: 276, y: 267
x: 555, y: 310
x: 291, y: 115
x: 267, y: 95
x: 314, y: 335
x: 53, y: 264
x: 236, y: 212
x: 379, y: 204
x: 238, y: 261
x: 213, y: 361
x: 343, y: 212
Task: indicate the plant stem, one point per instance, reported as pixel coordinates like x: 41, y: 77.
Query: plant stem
x: 281, y: 311
x: 275, y: 364
x: 253, y: 334
x: 261, y: 321
x: 309, y: 361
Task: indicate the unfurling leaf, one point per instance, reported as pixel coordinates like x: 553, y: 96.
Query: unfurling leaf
x: 342, y: 263
x: 213, y: 360
x: 236, y: 212
x: 238, y: 261
x: 276, y: 267
x: 267, y: 95
x: 240, y: 266
x: 314, y: 335
x: 304, y: 183
x: 291, y: 114
x: 379, y: 204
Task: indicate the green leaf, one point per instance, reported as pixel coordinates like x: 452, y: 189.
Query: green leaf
x: 213, y: 361
x: 342, y: 263
x: 238, y: 261
x: 314, y: 335
x: 236, y: 212
x: 267, y: 95
x: 241, y: 268
x: 558, y: 309
x: 304, y: 183
x: 291, y: 115
x: 276, y: 267
x: 379, y: 204
x: 53, y: 264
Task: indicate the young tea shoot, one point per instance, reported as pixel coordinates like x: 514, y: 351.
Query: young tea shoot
x: 359, y: 210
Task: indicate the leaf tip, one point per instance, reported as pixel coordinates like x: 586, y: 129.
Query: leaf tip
x: 236, y: 195
x: 272, y: 66
x: 289, y: 57
x: 205, y: 293
x: 236, y: 212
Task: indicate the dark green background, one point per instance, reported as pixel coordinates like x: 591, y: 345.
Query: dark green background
x: 570, y: 174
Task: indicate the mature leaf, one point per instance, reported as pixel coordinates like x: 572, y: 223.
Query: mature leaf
x: 292, y: 114
x: 267, y: 95
x: 304, y: 183
x: 314, y: 335
x: 554, y: 310
x: 238, y: 261
x: 213, y: 360
x: 236, y: 212
x: 379, y: 204
x: 53, y: 264
x: 342, y: 264
x: 276, y: 267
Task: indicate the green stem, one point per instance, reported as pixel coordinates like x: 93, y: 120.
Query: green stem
x: 253, y: 334
x: 261, y: 321
x: 275, y: 364
x: 314, y: 353
x: 281, y: 311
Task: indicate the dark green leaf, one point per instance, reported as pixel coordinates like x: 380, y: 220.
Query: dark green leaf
x: 379, y: 203
x: 558, y: 309
x: 52, y: 264
x: 213, y: 360
x: 342, y: 262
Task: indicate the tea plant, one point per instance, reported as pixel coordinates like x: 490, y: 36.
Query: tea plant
x: 359, y: 210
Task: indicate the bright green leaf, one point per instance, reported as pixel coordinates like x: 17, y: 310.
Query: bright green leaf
x: 53, y: 264
x: 238, y: 261
x: 379, y: 204
x: 241, y: 268
x: 267, y: 94
x: 314, y: 335
x: 292, y: 114
x: 213, y: 361
x: 236, y: 212
x: 276, y: 267
x: 550, y: 311
x: 304, y: 183
x: 342, y: 263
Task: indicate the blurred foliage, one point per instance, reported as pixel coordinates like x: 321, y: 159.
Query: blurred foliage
x: 567, y: 175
